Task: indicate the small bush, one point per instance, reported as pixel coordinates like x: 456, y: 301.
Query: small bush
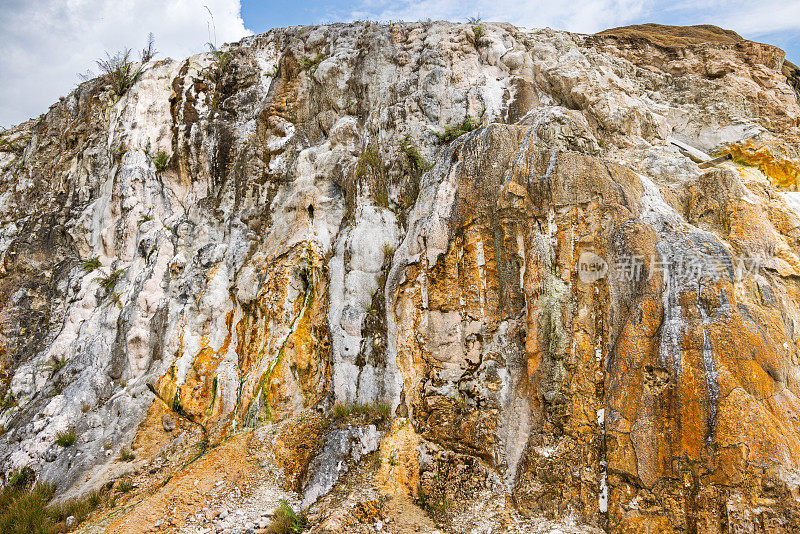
x: 91, y: 264
x: 475, y: 38
x: 311, y: 64
x: 67, y: 438
x: 380, y: 411
x: 124, y: 485
x: 215, y: 73
x: 126, y: 455
x: 56, y: 364
x: 412, y: 153
x: 109, y: 282
x: 451, y: 132
x: 160, y: 160
x: 119, y: 71
x: 286, y: 521
x: 149, y: 51
x: 8, y: 402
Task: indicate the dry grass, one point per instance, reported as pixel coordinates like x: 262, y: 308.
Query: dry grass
x: 380, y: 411
x: 674, y: 36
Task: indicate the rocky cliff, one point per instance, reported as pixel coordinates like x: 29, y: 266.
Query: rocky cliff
x: 412, y: 277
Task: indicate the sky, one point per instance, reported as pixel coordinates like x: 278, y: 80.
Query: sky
x: 45, y: 44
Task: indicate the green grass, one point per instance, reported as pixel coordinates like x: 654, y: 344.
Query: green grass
x: 91, y: 264
x: 311, y: 64
x: 56, y: 364
x: 120, y: 71
x: 109, y: 282
x: 453, y: 132
x: 475, y: 38
x: 17, y: 146
x: 380, y: 411
x: 24, y: 507
x: 214, y: 74
x: 286, y: 520
x: 67, y: 438
x: 412, y: 153
x: 22, y: 477
x: 126, y: 455
x: 8, y: 402
x: 124, y: 485
x: 160, y: 160
x: 369, y: 161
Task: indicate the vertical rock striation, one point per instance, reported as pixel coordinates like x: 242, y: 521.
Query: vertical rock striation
x: 365, y: 252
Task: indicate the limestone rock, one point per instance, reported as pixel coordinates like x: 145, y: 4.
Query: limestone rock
x: 355, y: 287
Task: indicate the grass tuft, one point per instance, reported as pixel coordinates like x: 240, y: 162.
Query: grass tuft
x: 124, y: 485
x: 286, y: 520
x: 67, y: 438
x: 120, y: 71
x: 109, y: 282
x: 91, y: 264
x: 160, y: 160
x: 412, y: 153
x: 311, y: 64
x: 453, y: 132
x: 56, y: 364
x: 24, y: 506
x: 380, y: 411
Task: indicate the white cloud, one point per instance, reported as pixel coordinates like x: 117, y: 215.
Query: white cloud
x: 44, y: 44
x: 759, y: 18
x: 586, y: 16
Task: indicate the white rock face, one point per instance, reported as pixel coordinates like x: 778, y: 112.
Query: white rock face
x: 293, y: 223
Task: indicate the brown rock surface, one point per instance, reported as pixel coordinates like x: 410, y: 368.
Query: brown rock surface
x: 412, y: 279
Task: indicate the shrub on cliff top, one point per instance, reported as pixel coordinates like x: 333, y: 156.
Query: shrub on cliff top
x: 120, y: 71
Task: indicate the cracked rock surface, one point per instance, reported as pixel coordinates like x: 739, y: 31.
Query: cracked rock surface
x: 355, y: 287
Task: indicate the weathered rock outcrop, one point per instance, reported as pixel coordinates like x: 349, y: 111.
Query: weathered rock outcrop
x: 362, y: 275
